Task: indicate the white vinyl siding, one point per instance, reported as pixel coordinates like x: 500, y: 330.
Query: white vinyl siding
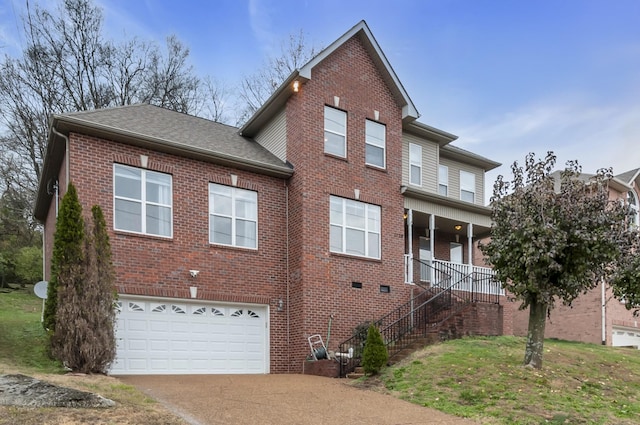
x: 415, y: 164
x: 467, y: 186
x: 429, y: 175
x: 233, y: 216
x: 335, y: 132
x: 273, y: 137
x: 454, y: 179
x: 142, y: 201
x: 375, y: 144
x: 443, y: 180
x: 355, y: 228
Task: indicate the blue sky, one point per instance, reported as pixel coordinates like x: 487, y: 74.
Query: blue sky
x: 508, y: 77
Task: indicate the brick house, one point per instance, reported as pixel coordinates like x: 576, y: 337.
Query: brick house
x: 233, y: 246
x: 596, y: 317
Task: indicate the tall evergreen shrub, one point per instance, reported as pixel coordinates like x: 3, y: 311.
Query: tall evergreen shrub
x: 374, y: 354
x: 84, y: 336
x: 67, y: 259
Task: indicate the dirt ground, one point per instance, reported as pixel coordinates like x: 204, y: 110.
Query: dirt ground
x: 282, y: 400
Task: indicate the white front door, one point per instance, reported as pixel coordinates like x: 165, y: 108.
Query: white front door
x: 455, y: 251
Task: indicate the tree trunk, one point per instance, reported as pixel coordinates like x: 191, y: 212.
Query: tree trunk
x: 535, y: 336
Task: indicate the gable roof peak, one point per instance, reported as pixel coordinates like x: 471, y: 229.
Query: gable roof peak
x: 280, y: 96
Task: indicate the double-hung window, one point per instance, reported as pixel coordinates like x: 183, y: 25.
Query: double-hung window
x: 415, y: 164
x: 375, y: 141
x: 443, y: 180
x: 335, y: 132
x: 467, y: 186
x: 142, y: 201
x: 233, y: 216
x: 355, y: 228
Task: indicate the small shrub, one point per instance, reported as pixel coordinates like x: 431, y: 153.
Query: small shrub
x: 374, y: 355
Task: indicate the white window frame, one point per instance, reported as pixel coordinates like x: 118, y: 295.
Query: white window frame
x: 340, y: 225
x: 443, y: 180
x: 415, y: 162
x: 236, y: 193
x: 373, y: 142
x: 465, y: 187
x: 333, y: 120
x: 142, y: 201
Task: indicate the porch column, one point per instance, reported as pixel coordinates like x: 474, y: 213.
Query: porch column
x: 470, y: 255
x: 432, y: 235
x: 470, y: 245
x: 409, y: 257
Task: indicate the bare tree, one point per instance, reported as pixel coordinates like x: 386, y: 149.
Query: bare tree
x: 67, y: 66
x: 256, y: 88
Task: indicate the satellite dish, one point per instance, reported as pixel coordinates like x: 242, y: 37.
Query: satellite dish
x: 41, y: 289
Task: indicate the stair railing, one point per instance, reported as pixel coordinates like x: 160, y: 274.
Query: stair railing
x: 427, y: 309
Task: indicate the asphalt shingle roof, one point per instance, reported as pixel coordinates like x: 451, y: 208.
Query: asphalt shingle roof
x: 177, y: 129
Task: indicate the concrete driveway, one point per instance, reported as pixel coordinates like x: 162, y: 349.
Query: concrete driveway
x: 281, y: 400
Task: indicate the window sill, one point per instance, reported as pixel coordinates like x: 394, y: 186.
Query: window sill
x: 334, y: 156
x: 355, y: 257
x: 375, y: 167
x: 143, y: 235
x: 234, y: 247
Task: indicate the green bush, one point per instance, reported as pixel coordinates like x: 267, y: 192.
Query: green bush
x: 374, y: 355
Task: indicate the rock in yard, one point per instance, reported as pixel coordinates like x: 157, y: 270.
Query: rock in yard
x: 22, y: 390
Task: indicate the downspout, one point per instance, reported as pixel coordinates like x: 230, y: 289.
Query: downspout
x: 604, y: 313
x: 57, y: 195
x: 66, y: 154
x: 286, y: 213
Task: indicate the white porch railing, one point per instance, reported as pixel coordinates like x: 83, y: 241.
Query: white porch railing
x: 443, y: 274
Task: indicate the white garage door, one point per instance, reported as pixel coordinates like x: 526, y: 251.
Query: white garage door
x: 626, y: 337
x: 171, y: 336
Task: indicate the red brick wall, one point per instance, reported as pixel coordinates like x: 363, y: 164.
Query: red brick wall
x: 321, y: 281
x: 583, y: 321
x: 147, y: 265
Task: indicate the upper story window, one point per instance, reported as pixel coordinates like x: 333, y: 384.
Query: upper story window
x: 415, y: 164
x: 233, y: 216
x: 142, y: 201
x: 335, y: 131
x: 632, y: 199
x: 467, y: 186
x: 355, y: 228
x: 375, y: 141
x: 443, y: 180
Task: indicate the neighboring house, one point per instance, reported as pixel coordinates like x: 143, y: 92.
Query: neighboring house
x: 233, y: 246
x: 597, y: 316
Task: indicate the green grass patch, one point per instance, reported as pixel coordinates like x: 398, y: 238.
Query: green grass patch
x: 483, y: 378
x: 22, y: 339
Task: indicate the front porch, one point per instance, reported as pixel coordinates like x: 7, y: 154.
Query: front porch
x: 442, y: 251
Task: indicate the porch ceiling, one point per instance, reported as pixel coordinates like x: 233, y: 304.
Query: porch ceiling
x: 448, y: 225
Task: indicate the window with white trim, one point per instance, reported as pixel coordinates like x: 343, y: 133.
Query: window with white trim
x: 233, y: 216
x: 467, y: 186
x: 355, y: 228
x: 142, y: 201
x: 443, y: 180
x: 335, y: 131
x: 415, y: 164
x: 375, y: 144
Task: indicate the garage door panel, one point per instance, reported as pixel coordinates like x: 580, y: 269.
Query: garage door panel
x: 164, y: 337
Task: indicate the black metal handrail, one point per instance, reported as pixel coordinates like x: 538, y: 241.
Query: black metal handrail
x: 416, y: 317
